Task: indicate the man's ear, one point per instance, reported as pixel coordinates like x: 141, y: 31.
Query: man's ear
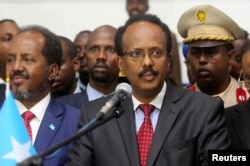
x: 231, y: 55
x: 170, y: 64
x: 53, y: 71
x: 120, y: 65
x: 230, y: 59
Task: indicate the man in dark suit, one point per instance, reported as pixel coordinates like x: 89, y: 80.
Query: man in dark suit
x: 238, y: 116
x: 101, y: 63
x: 33, y: 62
x: 183, y: 125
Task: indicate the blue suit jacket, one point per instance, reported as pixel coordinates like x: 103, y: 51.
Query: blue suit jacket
x: 59, y: 122
x: 76, y: 100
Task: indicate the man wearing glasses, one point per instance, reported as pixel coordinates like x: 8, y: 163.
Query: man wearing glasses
x: 162, y: 125
x: 134, y: 7
x: 238, y: 116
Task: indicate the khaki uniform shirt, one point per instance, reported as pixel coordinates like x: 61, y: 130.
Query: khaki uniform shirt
x: 230, y: 95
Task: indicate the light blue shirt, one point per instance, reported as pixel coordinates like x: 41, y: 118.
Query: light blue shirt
x: 157, y: 103
x: 77, y: 90
x: 93, y: 93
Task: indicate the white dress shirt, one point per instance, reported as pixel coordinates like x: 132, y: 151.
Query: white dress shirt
x: 2, y: 81
x: 38, y: 110
x: 157, y: 103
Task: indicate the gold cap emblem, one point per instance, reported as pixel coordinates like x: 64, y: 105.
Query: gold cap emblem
x: 201, y: 16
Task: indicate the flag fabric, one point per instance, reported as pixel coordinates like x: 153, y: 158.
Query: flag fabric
x: 15, y: 143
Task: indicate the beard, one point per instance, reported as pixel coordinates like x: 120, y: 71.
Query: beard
x: 27, y: 93
x: 100, y: 77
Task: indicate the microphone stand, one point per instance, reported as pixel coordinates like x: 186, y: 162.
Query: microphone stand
x: 96, y: 122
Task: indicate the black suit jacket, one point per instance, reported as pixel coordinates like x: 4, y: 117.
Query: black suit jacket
x: 76, y: 100
x: 189, y: 124
x: 238, y: 122
x: 2, y: 94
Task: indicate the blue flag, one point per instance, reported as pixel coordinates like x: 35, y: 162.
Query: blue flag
x: 15, y: 143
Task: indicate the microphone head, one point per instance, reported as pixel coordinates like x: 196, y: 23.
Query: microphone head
x: 123, y: 91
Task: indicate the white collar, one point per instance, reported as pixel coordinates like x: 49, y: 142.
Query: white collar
x: 157, y: 101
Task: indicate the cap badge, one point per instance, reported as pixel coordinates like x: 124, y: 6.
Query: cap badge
x: 201, y: 16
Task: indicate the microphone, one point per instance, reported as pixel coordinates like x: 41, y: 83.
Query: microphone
x: 122, y: 92
x: 50, y: 152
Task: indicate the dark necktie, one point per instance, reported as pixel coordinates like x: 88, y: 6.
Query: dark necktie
x: 27, y: 117
x: 145, y: 133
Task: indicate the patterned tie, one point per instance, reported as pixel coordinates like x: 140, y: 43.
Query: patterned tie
x: 27, y: 117
x: 145, y: 133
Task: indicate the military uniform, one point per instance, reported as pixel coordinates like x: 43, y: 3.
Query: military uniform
x: 203, y: 27
x: 233, y: 95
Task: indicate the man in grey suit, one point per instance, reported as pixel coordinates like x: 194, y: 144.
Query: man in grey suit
x: 183, y: 125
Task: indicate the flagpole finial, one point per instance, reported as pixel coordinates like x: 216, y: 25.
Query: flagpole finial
x: 7, y: 84
x: 7, y: 77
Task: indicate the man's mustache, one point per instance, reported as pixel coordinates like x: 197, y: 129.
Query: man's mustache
x: 148, y: 69
x: 103, y: 65
x: 18, y: 74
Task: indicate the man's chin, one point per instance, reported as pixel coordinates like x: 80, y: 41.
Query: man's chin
x: 84, y: 72
x: 205, y: 81
x: 135, y: 12
x: 100, y: 79
x: 21, y: 95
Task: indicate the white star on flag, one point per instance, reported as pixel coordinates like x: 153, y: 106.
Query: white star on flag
x: 19, y: 152
x: 15, y: 143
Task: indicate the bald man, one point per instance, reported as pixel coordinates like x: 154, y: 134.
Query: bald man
x: 101, y: 57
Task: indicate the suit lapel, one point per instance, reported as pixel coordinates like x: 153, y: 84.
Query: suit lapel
x: 126, y: 124
x: 168, y: 114
x: 48, y: 127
